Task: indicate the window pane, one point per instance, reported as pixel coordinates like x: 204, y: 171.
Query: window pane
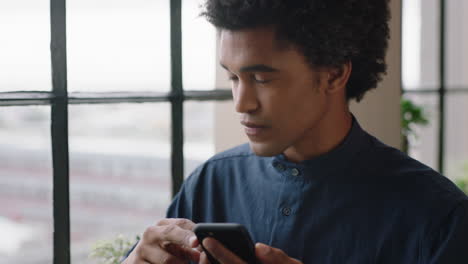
x: 424, y: 143
x: 120, y: 171
x: 25, y: 45
x: 456, y: 131
x: 420, y: 44
x: 198, y: 134
x: 199, y: 48
x: 118, y: 45
x: 26, y: 225
x: 457, y: 43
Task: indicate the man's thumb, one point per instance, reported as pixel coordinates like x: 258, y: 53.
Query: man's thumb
x: 262, y: 249
x: 264, y: 252
x: 270, y: 255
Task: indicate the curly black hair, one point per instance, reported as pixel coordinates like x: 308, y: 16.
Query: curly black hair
x: 328, y: 32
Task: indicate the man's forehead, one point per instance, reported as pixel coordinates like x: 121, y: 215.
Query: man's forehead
x: 250, y: 36
x: 250, y: 46
x: 245, y: 39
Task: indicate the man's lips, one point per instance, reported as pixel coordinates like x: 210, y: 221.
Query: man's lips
x: 253, y: 129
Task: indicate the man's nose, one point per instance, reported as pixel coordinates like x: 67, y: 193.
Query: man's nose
x: 245, y: 98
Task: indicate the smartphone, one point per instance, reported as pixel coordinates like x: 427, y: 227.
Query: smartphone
x: 233, y: 236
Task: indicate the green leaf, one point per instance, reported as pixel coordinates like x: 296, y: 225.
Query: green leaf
x: 411, y: 115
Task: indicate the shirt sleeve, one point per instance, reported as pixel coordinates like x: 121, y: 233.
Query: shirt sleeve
x: 450, y: 242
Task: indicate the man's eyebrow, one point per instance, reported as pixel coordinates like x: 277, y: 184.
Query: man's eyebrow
x: 254, y: 68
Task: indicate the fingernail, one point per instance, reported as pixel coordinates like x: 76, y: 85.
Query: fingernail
x: 192, y: 240
x: 263, y: 249
x: 206, y: 243
x: 198, y: 249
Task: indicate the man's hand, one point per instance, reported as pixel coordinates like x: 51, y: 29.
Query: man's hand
x: 265, y: 254
x: 269, y: 255
x: 169, y: 241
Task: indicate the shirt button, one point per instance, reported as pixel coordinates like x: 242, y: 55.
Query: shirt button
x: 286, y: 211
x: 280, y: 167
x: 294, y: 172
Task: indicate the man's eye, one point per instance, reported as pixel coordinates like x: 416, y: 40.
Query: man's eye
x: 259, y: 80
x: 233, y: 78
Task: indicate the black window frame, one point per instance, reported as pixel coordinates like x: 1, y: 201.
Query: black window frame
x: 59, y: 99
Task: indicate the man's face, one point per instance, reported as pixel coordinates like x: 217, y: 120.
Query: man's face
x: 281, y: 98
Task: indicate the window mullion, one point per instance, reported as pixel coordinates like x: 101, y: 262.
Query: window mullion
x: 59, y: 131
x: 177, y: 98
x: 442, y: 88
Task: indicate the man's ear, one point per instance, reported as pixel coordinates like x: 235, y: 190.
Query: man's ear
x: 338, y: 77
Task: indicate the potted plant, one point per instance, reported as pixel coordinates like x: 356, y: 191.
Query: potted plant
x: 112, y: 251
x: 462, y: 180
x: 411, y: 116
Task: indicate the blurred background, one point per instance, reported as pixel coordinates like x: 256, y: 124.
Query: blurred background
x: 119, y: 153
x: 421, y: 78
x: 120, y: 178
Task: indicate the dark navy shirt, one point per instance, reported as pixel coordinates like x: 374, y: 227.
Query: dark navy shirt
x: 363, y: 202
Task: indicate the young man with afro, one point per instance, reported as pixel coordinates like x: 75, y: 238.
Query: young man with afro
x: 311, y: 186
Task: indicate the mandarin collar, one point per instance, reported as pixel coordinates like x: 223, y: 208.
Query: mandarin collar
x: 331, y: 162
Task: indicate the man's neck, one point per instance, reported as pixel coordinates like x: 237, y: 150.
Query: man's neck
x: 326, y: 136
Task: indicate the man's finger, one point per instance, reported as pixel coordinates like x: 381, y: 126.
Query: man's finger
x: 163, y: 235
x: 269, y: 255
x: 177, y: 235
x: 182, y: 222
x: 204, y: 259
x: 157, y: 255
x: 183, y: 252
x: 220, y: 253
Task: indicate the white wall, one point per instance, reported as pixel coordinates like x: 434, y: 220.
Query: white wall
x: 379, y: 111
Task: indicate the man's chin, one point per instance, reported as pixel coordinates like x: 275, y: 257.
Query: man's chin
x: 265, y: 149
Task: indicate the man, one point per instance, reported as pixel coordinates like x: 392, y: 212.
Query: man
x: 311, y: 186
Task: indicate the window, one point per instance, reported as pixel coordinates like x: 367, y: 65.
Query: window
x: 434, y: 67
x: 97, y: 130
x: 26, y: 221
